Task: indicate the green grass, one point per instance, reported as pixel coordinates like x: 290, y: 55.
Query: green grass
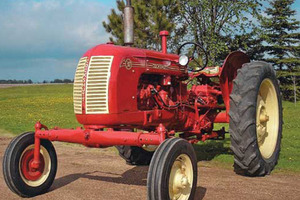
x: 290, y: 148
x: 21, y: 107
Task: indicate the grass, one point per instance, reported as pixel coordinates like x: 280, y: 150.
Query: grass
x: 290, y: 148
x: 21, y: 107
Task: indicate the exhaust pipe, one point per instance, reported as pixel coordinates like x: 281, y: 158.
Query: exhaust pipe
x: 128, y: 24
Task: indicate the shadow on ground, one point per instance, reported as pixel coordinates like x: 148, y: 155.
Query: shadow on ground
x: 208, y: 150
x: 134, y: 176
x: 200, y: 193
x: 138, y: 175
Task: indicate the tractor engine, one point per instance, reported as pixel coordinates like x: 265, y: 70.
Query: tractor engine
x: 157, y: 91
x: 205, y: 95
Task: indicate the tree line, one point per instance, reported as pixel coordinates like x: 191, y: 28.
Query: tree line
x: 265, y: 30
x: 29, y: 81
x: 14, y: 81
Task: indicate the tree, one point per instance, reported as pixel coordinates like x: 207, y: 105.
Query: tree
x: 67, y: 80
x: 282, y: 35
x: 212, y: 23
x: 150, y: 17
x: 250, y: 43
x: 57, y: 81
x: 290, y: 84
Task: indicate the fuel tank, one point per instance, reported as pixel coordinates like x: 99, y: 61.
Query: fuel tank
x: 106, y: 85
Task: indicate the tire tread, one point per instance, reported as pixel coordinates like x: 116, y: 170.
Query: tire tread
x: 242, y: 128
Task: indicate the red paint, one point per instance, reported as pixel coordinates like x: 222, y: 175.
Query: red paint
x: 27, y: 171
x: 232, y: 63
x: 164, y: 35
x: 99, y: 138
x: 36, y: 162
x: 222, y: 117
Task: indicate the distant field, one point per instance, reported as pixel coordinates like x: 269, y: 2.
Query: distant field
x: 21, y: 107
x: 34, y: 84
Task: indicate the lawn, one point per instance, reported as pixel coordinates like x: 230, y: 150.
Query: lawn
x: 21, y: 107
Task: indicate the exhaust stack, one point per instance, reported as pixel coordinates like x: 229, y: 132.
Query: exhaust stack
x: 128, y: 24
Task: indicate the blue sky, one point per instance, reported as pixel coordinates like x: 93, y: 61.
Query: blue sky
x: 44, y: 39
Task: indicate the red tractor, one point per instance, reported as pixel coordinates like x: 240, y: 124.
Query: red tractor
x: 138, y: 100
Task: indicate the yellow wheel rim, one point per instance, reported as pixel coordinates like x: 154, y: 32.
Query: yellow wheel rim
x: 181, y: 178
x: 267, y: 118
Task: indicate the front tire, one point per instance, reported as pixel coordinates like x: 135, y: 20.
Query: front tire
x: 19, y: 176
x: 173, y: 171
x: 255, y: 119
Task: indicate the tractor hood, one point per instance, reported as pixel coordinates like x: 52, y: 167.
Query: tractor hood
x: 107, y: 77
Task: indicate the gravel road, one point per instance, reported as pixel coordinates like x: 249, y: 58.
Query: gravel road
x: 85, y: 173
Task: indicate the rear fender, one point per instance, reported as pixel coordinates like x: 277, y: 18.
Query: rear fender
x: 232, y: 63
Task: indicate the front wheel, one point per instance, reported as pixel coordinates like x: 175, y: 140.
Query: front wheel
x: 173, y: 171
x: 17, y: 171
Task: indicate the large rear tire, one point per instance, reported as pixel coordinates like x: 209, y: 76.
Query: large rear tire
x: 173, y: 171
x: 255, y: 119
x: 19, y: 176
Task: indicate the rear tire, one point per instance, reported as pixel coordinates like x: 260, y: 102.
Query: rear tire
x: 173, y: 171
x: 16, y: 166
x: 135, y: 155
x: 255, y: 119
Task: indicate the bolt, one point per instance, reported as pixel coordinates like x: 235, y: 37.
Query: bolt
x: 263, y: 118
x: 184, y: 181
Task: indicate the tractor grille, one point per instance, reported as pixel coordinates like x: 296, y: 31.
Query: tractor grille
x: 78, y: 84
x: 97, y: 85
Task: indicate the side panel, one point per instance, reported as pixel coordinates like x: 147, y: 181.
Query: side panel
x: 129, y: 72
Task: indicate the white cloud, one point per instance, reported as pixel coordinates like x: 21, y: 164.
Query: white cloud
x: 51, y: 26
x: 33, y: 31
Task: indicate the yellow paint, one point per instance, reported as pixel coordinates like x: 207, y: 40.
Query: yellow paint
x: 267, y: 118
x: 181, y: 178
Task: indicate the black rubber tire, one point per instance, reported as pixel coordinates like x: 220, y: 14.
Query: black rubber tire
x: 161, y: 164
x: 135, y: 155
x: 242, y: 127
x: 11, y: 171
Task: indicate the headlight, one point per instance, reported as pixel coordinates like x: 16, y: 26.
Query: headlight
x: 183, y: 60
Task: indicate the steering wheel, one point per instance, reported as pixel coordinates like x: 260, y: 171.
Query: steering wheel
x: 192, y: 58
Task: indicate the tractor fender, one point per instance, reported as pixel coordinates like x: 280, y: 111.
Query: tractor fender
x: 232, y: 63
